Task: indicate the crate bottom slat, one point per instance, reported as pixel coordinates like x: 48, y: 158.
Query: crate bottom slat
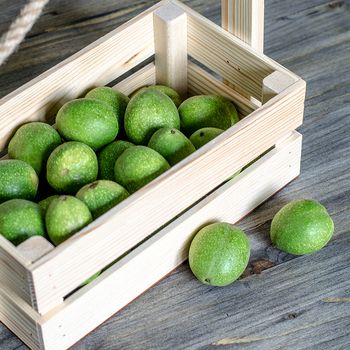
x: 158, y: 256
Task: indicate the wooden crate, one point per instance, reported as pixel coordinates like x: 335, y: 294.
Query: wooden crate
x: 40, y: 301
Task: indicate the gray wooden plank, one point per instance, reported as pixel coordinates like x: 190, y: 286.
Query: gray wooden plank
x: 282, y: 305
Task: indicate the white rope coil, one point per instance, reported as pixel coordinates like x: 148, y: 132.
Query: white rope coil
x: 20, y: 27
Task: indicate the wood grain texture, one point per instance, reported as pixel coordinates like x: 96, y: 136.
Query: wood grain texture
x: 275, y: 83
x: 14, y: 272
x: 137, y: 217
x: 145, y: 76
x: 20, y: 317
x: 98, y: 64
x: 281, y: 304
x: 245, y: 19
x: 170, y: 42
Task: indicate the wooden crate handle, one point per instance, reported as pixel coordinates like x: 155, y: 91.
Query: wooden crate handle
x: 245, y: 19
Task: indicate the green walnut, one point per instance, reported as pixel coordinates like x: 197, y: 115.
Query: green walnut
x: 65, y: 216
x: 102, y: 195
x: 301, y: 227
x: 90, y: 279
x: 207, y: 111
x: 17, y: 180
x: 108, y: 156
x: 137, y: 166
x: 44, y: 204
x: 219, y: 254
x: 202, y: 136
x: 148, y: 111
x: 21, y: 219
x: 115, y: 99
x: 172, y: 144
x: 92, y: 122
x: 175, y: 97
x: 71, y: 166
x: 33, y: 143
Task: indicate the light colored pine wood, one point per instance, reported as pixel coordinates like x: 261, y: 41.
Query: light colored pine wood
x: 35, y: 247
x: 143, y: 77
x: 14, y: 270
x: 60, y: 271
x: 236, y: 62
x: 20, y: 318
x: 274, y: 84
x: 245, y: 19
x: 97, y: 64
x: 201, y: 82
x: 159, y: 255
x: 170, y: 41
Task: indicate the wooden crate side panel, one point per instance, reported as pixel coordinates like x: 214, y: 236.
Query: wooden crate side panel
x: 133, y: 220
x: 201, y: 82
x: 155, y: 258
x: 170, y: 41
x: 14, y: 273
x: 237, y: 64
x: 20, y: 318
x: 143, y: 77
x: 97, y: 64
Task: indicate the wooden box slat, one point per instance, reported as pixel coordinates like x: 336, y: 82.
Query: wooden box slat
x: 14, y: 274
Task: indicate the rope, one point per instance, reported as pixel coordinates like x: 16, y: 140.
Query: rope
x: 20, y: 27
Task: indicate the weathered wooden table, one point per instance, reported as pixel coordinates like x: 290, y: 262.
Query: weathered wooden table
x: 284, y: 302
